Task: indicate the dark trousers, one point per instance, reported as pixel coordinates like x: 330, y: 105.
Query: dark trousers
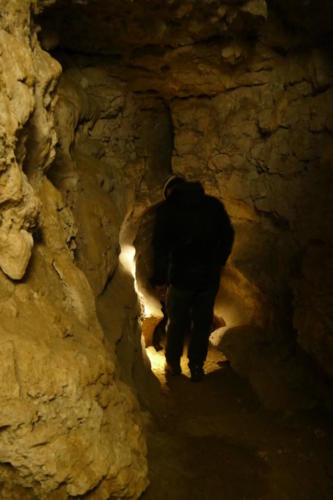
x: 189, y: 310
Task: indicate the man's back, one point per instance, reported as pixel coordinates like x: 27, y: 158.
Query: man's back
x: 193, y: 232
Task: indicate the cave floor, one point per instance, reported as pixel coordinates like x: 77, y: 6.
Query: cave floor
x: 213, y: 440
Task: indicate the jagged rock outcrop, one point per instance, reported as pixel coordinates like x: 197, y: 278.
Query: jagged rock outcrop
x: 26, y: 118
x: 68, y: 424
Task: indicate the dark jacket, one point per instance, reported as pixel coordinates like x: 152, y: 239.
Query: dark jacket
x: 192, y: 238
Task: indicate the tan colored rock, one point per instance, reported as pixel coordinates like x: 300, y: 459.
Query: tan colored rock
x: 61, y: 432
x: 67, y: 421
x: 41, y: 134
x: 257, y: 8
x: 18, y: 79
x: 313, y: 305
x: 26, y: 106
x: 15, y: 252
x: 232, y: 54
x: 11, y: 185
x: 68, y: 424
x: 10, y: 387
x: 266, y: 146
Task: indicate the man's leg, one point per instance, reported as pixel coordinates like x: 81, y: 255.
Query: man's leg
x: 202, y: 317
x: 178, y: 307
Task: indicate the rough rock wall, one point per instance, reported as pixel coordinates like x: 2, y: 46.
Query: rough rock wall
x: 266, y: 147
x: 252, y: 119
x: 28, y: 78
x: 249, y: 87
x: 114, y: 152
x: 68, y: 425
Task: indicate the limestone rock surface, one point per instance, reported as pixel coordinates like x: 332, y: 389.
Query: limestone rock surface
x: 263, y: 149
x: 249, y: 101
x: 25, y: 110
x: 67, y: 423
x: 69, y: 426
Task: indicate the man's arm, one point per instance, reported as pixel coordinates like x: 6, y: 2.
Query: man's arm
x: 161, y: 248
x: 227, y: 234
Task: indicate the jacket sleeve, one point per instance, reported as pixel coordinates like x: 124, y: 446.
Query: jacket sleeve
x: 161, y: 248
x: 227, y: 235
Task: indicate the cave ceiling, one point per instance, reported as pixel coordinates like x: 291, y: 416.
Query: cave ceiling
x: 117, y: 26
x: 104, y: 27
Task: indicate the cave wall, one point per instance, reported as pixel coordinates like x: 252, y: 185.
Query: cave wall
x: 113, y: 153
x: 69, y: 426
x: 249, y: 90
x: 227, y: 94
x: 265, y: 147
x: 248, y: 85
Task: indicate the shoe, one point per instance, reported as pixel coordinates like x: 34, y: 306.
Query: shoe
x: 173, y: 369
x: 197, y: 373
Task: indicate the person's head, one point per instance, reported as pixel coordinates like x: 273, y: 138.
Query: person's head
x: 171, y: 183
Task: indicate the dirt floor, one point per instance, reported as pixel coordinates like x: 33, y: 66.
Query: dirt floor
x: 213, y: 440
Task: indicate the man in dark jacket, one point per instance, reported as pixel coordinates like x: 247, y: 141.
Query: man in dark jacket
x: 192, y: 240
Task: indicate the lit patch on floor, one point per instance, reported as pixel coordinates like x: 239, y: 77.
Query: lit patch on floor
x: 215, y: 360
x: 157, y: 364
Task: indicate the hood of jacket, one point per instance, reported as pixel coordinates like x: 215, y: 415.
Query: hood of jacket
x: 187, y: 194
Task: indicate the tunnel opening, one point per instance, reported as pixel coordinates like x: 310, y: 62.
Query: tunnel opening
x: 192, y: 128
